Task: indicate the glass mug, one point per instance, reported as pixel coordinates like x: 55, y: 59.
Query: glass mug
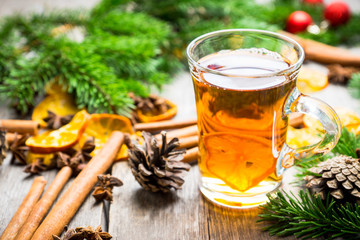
x: 245, y: 89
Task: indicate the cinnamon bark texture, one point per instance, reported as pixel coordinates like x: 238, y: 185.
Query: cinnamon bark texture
x: 24, y: 210
x: 191, y: 155
x: 20, y: 126
x: 11, y: 137
x: 296, y: 119
x: 179, y: 133
x: 44, y: 204
x: 162, y: 125
x: 189, y: 142
x: 71, y: 200
x: 323, y: 53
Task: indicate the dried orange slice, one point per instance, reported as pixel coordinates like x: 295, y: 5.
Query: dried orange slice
x: 61, y: 104
x: 302, y: 137
x: 348, y: 118
x: 310, y: 80
x: 101, y: 126
x: 31, y: 157
x: 239, y: 167
x: 153, y: 117
x: 62, y: 138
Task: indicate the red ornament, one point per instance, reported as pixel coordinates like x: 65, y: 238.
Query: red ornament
x: 298, y: 21
x: 314, y: 2
x: 337, y: 13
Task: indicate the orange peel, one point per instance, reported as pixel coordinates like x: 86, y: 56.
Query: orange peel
x: 302, y: 137
x: 62, y: 138
x: 101, y: 126
x: 153, y: 117
x: 348, y: 119
x: 240, y: 168
x: 311, y: 80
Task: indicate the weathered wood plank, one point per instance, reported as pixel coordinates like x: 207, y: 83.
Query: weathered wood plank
x: 14, y: 185
x: 139, y: 214
x: 225, y: 223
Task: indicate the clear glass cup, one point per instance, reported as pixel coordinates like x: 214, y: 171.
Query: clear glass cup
x: 245, y: 89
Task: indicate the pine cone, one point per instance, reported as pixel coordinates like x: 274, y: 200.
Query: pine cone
x: 155, y: 168
x: 3, y: 146
x: 340, y: 176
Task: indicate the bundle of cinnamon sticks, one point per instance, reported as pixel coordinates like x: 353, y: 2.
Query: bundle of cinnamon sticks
x: 28, y: 223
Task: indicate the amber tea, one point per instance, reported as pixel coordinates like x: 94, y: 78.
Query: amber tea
x: 242, y: 128
x: 245, y: 88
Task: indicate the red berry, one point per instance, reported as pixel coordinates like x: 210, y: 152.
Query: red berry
x: 298, y: 21
x: 337, y: 13
x: 313, y: 2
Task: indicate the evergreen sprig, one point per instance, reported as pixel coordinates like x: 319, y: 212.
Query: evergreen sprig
x: 129, y: 46
x: 347, y: 145
x: 307, y: 216
x: 99, y: 71
x: 354, y: 85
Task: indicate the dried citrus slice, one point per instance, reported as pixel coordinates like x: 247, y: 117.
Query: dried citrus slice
x: 239, y: 167
x: 101, y: 126
x: 61, y: 104
x: 62, y: 138
x: 53, y: 87
x: 153, y: 117
x: 348, y: 118
x: 31, y: 157
x: 310, y: 80
x: 302, y: 137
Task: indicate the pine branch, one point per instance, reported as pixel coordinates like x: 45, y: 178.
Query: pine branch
x: 354, y: 85
x: 99, y: 72
x: 307, y: 216
x: 347, y: 145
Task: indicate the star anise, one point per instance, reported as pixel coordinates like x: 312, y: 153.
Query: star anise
x: 54, y: 121
x: 104, y: 186
x: 36, y: 166
x: 76, y: 159
x: 153, y: 103
x: 70, y: 234
x: 19, y: 149
x: 90, y: 234
x: 84, y: 154
x: 339, y: 74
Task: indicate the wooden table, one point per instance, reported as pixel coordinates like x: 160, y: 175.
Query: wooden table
x: 138, y: 214
x: 135, y: 213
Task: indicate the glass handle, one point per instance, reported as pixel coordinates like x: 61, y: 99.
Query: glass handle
x: 299, y: 103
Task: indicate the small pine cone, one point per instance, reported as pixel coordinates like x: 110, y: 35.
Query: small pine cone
x: 3, y: 146
x: 340, y: 176
x: 158, y: 168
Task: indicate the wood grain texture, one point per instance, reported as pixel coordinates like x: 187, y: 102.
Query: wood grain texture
x: 185, y: 214
x: 138, y: 214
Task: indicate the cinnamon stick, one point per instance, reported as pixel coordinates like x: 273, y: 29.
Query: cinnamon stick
x: 162, y: 125
x: 25, y: 208
x: 179, y: 133
x: 323, y: 53
x: 189, y: 142
x: 191, y: 155
x: 43, y: 205
x: 11, y: 137
x: 296, y: 119
x: 20, y: 126
x: 71, y: 200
